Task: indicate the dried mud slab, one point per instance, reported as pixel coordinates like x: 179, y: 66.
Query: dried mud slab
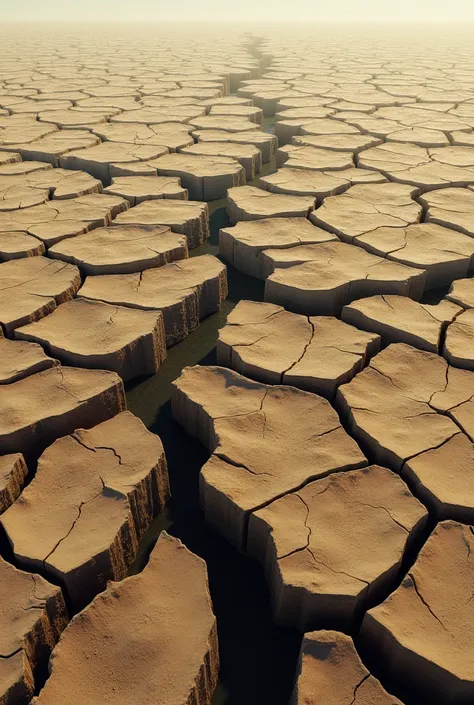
x: 137, y: 189
x: 265, y: 142
x: 399, y: 319
x: 264, y: 342
x: 18, y: 190
x: 330, y: 671
x: 458, y: 347
x: 13, y: 472
x: 248, y: 156
x: 243, y: 245
x: 365, y: 207
x: 451, y: 207
x: 320, y: 279
x: 173, y: 135
x: 21, y: 359
x: 430, y: 404
x: 206, y: 178
x: 160, y: 116
x: 319, y: 184
x: 335, y: 547
x: 15, y: 245
x: 55, y: 220
x: 108, y: 483
x: 225, y: 123
x: 250, y: 203
x: 123, y: 249
x: 305, y: 157
x: 93, y: 334
x: 32, y: 616
x: 105, y: 159
x: 424, y: 168
x: 152, y: 638
x: 246, y: 425
x: 354, y: 143
x: 9, y: 157
x: 444, y: 253
x: 42, y: 407
x: 38, y: 285
x: 462, y: 292
x: 186, y: 292
x: 53, y: 146
x: 190, y: 218
x: 424, y: 630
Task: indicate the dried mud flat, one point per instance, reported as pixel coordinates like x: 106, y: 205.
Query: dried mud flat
x: 261, y: 241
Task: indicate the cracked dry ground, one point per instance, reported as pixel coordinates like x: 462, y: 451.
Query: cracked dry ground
x: 236, y: 366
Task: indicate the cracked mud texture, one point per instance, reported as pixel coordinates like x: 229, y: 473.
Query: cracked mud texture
x: 54, y: 145
x: 206, y: 178
x: 108, y: 483
x: 186, y: 292
x: 429, y: 420
x: 137, y: 189
x: 266, y: 143
x: 123, y: 249
x: 266, y: 343
x: 38, y: 409
x: 251, y: 203
x: 444, y: 253
x: 330, y: 671
x: 32, y: 616
x: 399, y: 319
x: 38, y: 285
x: 318, y: 184
x: 55, y: 220
x: 458, y: 347
x: 421, y: 630
x: 462, y: 292
x: 451, y: 207
x: 147, y: 639
x: 365, y: 207
x: 13, y: 472
x: 190, y: 218
x: 265, y: 441
x: 84, y: 333
x: 20, y: 359
x: 248, y: 156
x: 171, y: 135
x: 242, y: 245
x: 335, y: 547
x: 51, y: 183
x: 320, y: 279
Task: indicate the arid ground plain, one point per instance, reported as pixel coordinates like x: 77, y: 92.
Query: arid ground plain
x: 236, y: 365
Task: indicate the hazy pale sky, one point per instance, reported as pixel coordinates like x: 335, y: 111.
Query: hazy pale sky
x: 240, y: 10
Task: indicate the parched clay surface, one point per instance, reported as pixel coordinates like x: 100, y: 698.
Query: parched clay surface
x: 320, y: 279
x: 122, y: 250
x: 264, y: 342
x: 243, y: 244
x: 424, y: 630
x: 94, y: 334
x: 335, y: 546
x: 55, y: 220
x: 20, y: 359
x: 190, y: 218
x: 206, y: 177
x: 462, y: 292
x: 330, y: 669
x: 458, y: 347
x: 451, y: 207
x: 429, y: 418
x: 186, y: 292
x: 108, y: 483
x: 13, y: 472
x: 42, y: 407
x: 247, y: 155
x: 319, y: 184
x: 365, y: 207
x: 146, y: 188
x: 265, y: 441
x: 399, y: 319
x: 250, y: 203
x: 444, y: 253
x: 265, y: 142
x: 150, y: 635
x: 32, y: 616
x: 39, y: 285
